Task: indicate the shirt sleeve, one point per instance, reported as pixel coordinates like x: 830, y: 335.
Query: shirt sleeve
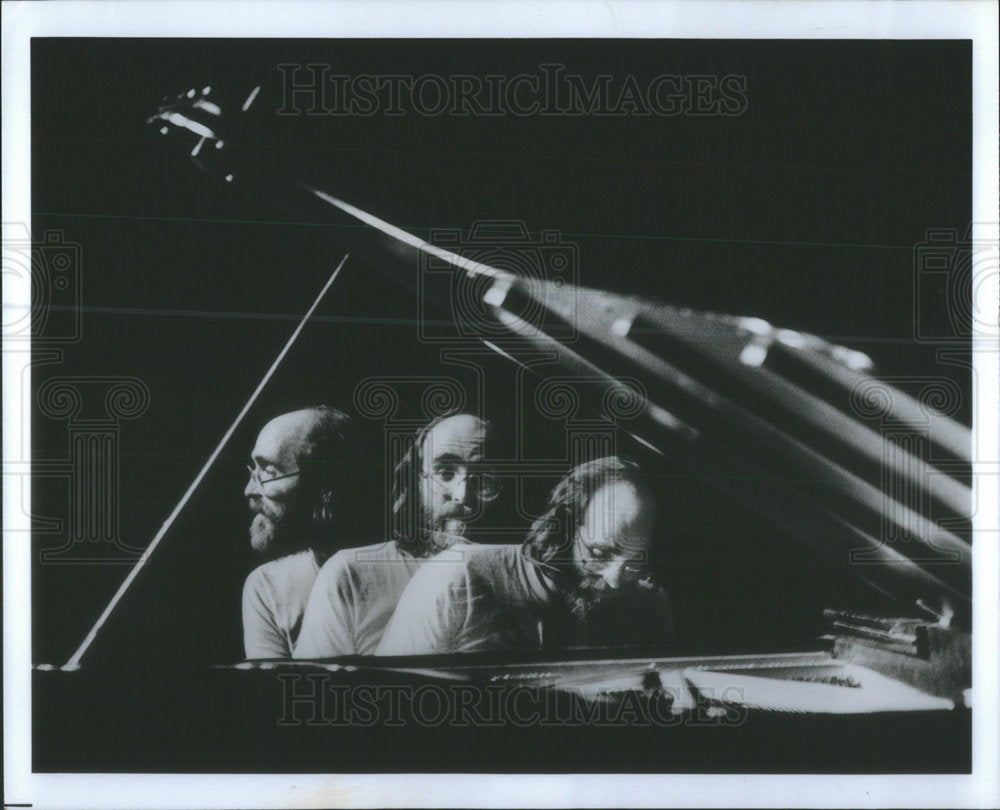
x: 328, y: 624
x: 430, y: 614
x: 262, y: 638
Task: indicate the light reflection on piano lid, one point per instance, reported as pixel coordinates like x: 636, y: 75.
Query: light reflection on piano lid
x: 843, y: 460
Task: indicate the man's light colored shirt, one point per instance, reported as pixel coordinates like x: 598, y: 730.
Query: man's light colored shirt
x: 353, y: 599
x: 473, y: 598
x: 274, y: 601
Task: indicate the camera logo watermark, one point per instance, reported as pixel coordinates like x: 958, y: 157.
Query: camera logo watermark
x: 314, y: 89
x: 51, y: 266
x: 544, y: 267
x: 952, y: 274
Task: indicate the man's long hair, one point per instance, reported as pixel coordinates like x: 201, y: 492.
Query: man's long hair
x: 408, y: 523
x: 334, y: 468
x: 551, y: 537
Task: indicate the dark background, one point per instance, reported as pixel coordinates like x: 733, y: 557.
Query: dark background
x: 804, y: 211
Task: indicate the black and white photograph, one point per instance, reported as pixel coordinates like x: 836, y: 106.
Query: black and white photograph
x: 424, y: 406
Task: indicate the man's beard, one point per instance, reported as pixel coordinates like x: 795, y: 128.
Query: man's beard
x: 449, y: 527
x: 275, y: 533
x: 585, y: 596
x: 262, y: 533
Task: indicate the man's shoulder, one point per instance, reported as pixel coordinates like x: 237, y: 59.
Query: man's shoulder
x: 346, y: 557
x: 473, y: 554
x: 471, y: 561
x: 348, y: 562
x: 276, y: 575
x: 281, y: 568
x: 485, y: 557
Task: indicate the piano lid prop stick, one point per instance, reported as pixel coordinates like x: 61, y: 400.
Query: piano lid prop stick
x: 74, y: 661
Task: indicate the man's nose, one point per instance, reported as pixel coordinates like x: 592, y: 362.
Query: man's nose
x: 252, y: 487
x: 459, y: 489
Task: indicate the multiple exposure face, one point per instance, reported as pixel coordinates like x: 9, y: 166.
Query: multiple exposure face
x: 611, y: 546
x: 274, y: 490
x: 455, y: 481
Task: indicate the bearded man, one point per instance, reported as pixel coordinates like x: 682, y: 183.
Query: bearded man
x: 443, y: 485
x: 584, y: 577
x: 305, y: 466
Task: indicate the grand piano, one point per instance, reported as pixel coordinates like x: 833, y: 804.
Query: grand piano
x: 849, y: 489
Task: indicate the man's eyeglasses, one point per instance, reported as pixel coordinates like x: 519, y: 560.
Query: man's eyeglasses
x: 486, y: 485
x: 255, y: 475
x: 599, y: 556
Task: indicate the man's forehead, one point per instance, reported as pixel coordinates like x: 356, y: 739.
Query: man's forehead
x: 461, y: 437
x: 284, y: 435
x: 619, y: 514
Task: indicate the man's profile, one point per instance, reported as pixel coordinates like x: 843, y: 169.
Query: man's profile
x: 443, y: 484
x: 583, y: 577
x: 304, y: 468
